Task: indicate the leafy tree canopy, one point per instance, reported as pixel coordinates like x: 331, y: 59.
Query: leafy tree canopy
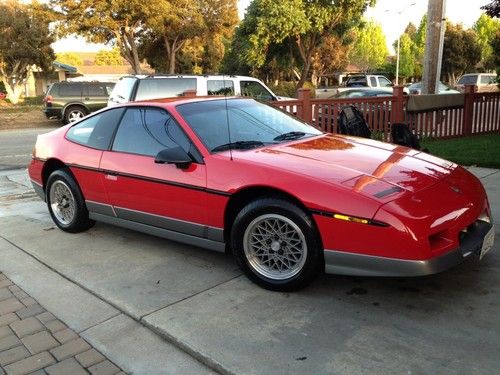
x: 108, y: 57
x: 69, y: 58
x: 461, y: 51
x: 25, y: 41
x: 486, y: 29
x: 492, y: 9
x: 305, y: 23
x: 370, y: 51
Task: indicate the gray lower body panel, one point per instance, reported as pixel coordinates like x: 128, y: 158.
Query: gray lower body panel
x: 172, y: 229
x: 344, y: 263
x: 38, y: 189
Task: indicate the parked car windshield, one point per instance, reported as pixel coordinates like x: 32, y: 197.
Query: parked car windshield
x: 252, y: 124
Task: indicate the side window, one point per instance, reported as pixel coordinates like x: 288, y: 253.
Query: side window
x: 487, y: 79
x: 96, y: 89
x: 220, y: 87
x: 147, y: 131
x: 384, y: 82
x: 155, y: 88
x: 96, y: 131
x: 255, y: 90
x: 70, y: 89
x: 373, y: 82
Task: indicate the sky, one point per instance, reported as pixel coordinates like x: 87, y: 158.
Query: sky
x: 393, y: 15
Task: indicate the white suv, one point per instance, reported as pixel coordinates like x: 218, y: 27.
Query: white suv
x: 140, y: 87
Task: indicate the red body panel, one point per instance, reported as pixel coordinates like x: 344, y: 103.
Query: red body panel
x: 414, y: 193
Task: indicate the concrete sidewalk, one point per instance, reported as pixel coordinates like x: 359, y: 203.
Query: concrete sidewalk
x: 128, y: 293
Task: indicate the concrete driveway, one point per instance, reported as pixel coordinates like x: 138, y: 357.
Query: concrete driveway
x: 115, y: 287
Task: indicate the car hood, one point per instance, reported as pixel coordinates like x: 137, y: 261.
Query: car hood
x: 377, y: 169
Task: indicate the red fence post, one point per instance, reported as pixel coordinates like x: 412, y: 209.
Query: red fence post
x: 468, y: 109
x: 397, y: 110
x: 304, y: 95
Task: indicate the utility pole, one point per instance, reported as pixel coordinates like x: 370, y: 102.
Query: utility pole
x: 433, y: 46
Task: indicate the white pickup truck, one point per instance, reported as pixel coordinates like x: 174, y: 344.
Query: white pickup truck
x: 374, y: 81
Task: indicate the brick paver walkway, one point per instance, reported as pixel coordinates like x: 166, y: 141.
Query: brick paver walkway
x: 33, y: 341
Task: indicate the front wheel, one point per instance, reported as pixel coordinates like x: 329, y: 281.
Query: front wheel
x: 276, y: 244
x: 66, y: 204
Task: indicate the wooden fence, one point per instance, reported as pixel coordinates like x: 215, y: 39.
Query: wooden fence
x: 437, y: 116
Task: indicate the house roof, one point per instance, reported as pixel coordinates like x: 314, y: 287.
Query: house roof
x: 111, y: 69
x: 65, y: 67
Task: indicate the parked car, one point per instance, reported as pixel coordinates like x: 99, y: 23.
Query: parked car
x: 139, y: 87
x: 359, y: 81
x: 416, y: 89
x: 71, y: 101
x: 288, y: 200
x: 485, y: 82
x: 361, y: 93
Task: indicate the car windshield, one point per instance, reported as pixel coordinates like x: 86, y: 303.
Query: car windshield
x: 250, y: 123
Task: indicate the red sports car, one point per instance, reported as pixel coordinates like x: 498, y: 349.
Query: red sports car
x: 232, y: 174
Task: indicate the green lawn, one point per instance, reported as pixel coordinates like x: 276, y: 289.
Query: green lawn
x: 480, y: 150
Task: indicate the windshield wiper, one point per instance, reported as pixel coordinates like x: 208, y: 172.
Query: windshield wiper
x: 289, y: 136
x: 239, y: 145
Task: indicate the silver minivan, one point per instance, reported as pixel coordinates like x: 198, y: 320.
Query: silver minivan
x: 139, y: 87
x: 485, y: 82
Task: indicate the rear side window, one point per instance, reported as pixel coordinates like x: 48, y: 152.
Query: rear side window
x: 147, y: 131
x: 220, y: 87
x: 487, y: 79
x: 156, y: 88
x: 373, y: 82
x: 96, y: 131
x: 70, y: 89
x: 97, y: 89
x: 356, y: 81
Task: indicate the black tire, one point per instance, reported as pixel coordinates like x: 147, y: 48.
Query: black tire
x: 59, y: 182
x: 248, y: 224
x: 74, y: 111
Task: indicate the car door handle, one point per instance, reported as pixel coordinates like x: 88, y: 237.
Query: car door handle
x: 111, y: 177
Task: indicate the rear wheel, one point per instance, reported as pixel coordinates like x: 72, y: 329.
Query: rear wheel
x: 74, y: 113
x: 66, y: 204
x: 275, y: 243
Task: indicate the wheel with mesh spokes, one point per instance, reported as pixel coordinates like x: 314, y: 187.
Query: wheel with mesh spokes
x: 65, y: 202
x: 276, y: 244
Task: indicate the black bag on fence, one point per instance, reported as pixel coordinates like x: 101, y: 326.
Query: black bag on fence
x: 352, y: 122
x: 402, y: 135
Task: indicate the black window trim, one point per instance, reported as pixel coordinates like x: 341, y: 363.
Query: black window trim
x: 198, y: 156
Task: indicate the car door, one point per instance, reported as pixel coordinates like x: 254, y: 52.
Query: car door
x: 142, y: 191
x: 95, y: 96
x: 91, y: 137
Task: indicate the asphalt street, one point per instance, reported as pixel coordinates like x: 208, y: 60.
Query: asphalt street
x: 16, y: 146
x: 156, y: 306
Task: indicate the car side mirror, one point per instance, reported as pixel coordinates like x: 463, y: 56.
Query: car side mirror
x: 174, y: 155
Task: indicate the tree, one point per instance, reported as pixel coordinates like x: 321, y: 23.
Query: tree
x: 331, y: 56
x: 25, y: 40
x: 306, y: 23
x: 174, y: 23
x: 407, y: 61
x: 419, y: 46
x: 461, y: 52
x: 69, y: 58
x: 370, y: 50
x: 118, y: 22
x: 486, y: 28
x: 492, y: 9
x: 108, y: 57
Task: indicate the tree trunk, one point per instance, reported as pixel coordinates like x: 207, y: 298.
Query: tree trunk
x: 14, y: 90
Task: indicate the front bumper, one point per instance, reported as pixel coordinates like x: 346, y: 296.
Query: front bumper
x: 343, y: 263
